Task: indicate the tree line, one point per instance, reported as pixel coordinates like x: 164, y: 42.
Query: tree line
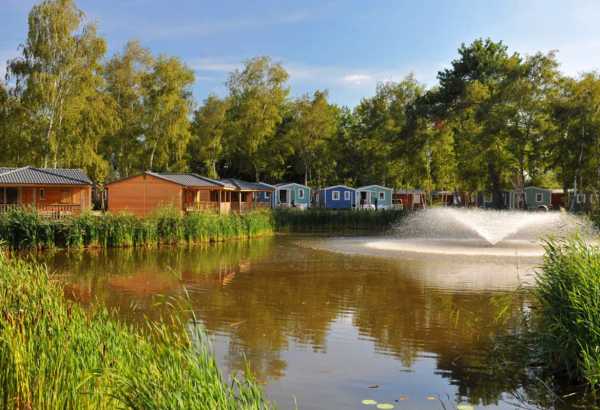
x: 495, y: 119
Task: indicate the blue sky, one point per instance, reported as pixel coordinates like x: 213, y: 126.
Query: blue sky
x: 344, y: 46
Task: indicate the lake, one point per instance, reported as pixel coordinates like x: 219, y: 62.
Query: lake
x: 322, y: 324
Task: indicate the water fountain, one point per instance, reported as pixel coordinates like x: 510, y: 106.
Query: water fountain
x: 465, y: 248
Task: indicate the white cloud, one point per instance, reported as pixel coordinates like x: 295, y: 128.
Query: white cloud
x: 357, y: 79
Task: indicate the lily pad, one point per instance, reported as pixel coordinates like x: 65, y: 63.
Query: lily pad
x: 465, y: 407
x: 385, y: 406
x: 369, y: 402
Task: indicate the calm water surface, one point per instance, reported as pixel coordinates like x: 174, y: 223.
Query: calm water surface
x: 327, y: 329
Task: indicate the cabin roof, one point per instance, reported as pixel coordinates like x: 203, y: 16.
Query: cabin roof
x: 43, y: 176
x: 284, y: 184
x: 246, y: 186
x: 368, y: 187
x: 188, y: 179
x: 327, y: 188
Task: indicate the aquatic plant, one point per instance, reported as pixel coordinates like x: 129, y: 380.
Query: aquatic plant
x: 25, y: 229
x: 568, y: 312
x: 56, y: 355
x: 315, y: 219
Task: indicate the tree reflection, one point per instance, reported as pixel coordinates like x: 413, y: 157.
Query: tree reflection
x: 265, y: 295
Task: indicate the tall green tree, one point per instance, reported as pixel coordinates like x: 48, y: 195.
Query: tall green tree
x: 208, y: 127
x: 124, y: 74
x: 57, y: 79
x: 312, y: 127
x: 167, y: 106
x: 257, y: 96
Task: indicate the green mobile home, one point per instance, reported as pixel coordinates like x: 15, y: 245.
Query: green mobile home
x: 291, y: 195
x: 374, y: 196
x: 538, y: 198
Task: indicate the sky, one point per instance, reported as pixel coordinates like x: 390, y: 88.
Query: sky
x: 344, y: 46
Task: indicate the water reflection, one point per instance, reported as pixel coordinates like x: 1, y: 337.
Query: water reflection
x: 316, y: 325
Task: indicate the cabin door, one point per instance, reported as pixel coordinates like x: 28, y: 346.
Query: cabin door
x: 283, y: 196
x: 364, y: 198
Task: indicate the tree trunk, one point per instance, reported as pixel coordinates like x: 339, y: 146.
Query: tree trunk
x: 496, y: 187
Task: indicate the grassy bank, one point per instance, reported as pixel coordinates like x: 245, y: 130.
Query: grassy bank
x: 25, y: 229
x: 327, y: 220
x: 55, y: 355
x: 567, y: 318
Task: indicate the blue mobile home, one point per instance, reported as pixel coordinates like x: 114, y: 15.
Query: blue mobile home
x: 336, y: 197
x: 291, y: 195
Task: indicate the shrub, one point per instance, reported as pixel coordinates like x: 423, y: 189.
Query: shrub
x: 315, y: 219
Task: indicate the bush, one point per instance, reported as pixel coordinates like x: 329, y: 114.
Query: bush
x: 568, y: 315
x: 55, y: 355
x: 316, y: 219
x: 25, y: 229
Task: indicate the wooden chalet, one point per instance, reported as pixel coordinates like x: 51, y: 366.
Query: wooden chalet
x: 409, y: 199
x: 249, y: 195
x: 54, y: 192
x: 143, y: 194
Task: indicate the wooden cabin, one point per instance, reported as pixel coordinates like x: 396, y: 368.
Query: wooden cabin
x: 249, y: 195
x: 336, y: 197
x: 54, y: 192
x: 143, y: 194
x: 374, y: 197
x: 291, y: 195
x: 409, y: 199
x: 538, y: 198
x: 558, y: 199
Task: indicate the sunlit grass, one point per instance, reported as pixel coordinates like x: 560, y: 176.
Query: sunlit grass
x: 55, y: 355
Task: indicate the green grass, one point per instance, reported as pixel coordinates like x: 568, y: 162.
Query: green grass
x: 55, y: 355
x: 25, y: 229
x: 319, y: 220
x: 568, y: 311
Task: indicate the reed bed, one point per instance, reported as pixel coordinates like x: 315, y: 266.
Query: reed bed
x: 326, y: 220
x: 55, y: 355
x: 26, y: 229
x: 568, y: 311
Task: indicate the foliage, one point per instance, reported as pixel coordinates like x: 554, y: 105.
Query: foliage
x: 495, y: 121
x: 55, y: 355
x: 25, y: 229
x: 568, y: 294
x: 311, y: 220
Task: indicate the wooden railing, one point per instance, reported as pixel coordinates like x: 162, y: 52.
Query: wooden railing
x: 57, y: 211
x: 212, y: 206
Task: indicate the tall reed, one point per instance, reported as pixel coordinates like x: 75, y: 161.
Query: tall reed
x: 568, y: 313
x: 55, y: 355
x: 25, y: 229
x: 317, y: 220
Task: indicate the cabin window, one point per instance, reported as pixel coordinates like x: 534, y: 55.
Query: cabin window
x: 382, y: 196
x: 335, y: 195
x: 9, y: 195
x: 346, y: 195
x: 214, y: 196
x: 244, y: 196
x: 65, y: 196
x: 267, y: 195
x: 42, y: 194
x: 301, y: 194
x: 539, y: 197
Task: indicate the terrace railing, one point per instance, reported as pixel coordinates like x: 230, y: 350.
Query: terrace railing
x: 211, y: 206
x: 56, y: 211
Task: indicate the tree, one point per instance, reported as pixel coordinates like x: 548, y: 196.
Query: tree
x: 312, y: 126
x: 57, y: 80
x: 257, y: 95
x: 167, y: 105
x: 124, y: 74
x: 208, y: 126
